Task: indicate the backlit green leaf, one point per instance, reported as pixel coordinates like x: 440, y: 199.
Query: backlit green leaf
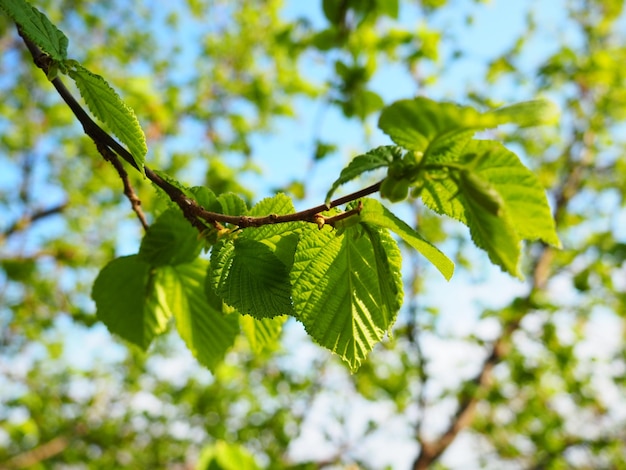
x: 376, y: 158
x: 251, y: 278
x: 108, y: 107
x: 347, y: 289
x: 375, y: 213
x: 130, y: 300
x: 170, y: 240
x: 207, y: 332
x: 262, y: 333
x: 37, y: 27
x: 419, y: 123
x: 525, y: 214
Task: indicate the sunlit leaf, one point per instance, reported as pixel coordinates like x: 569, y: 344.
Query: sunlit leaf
x: 347, y: 289
x: 108, y: 107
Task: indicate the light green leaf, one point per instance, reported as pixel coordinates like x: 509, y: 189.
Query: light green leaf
x: 280, y: 238
x: 207, y: 332
x: 130, y: 300
x: 375, y: 213
x: 262, y: 334
x: 226, y: 456
x: 251, y: 278
x: 375, y: 158
x: 496, y: 235
x: 108, y: 107
x: 206, y: 198
x: 347, y: 289
x: 419, y: 123
x: 528, y: 113
x: 415, y: 124
x: 232, y: 204
x: 170, y: 240
x: 525, y: 213
x: 37, y: 27
x: 524, y: 198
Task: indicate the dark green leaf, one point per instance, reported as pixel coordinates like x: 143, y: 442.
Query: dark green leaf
x: 129, y: 300
x: 251, y: 278
x: 170, y: 240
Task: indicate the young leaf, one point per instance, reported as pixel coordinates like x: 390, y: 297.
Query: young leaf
x: 419, y: 124
x: 206, y: 198
x: 524, y: 198
x: 207, y: 332
x: 37, y: 27
x: 375, y: 213
x: 347, y: 289
x: 129, y: 300
x: 251, y: 278
x: 528, y: 113
x: 232, y: 204
x: 109, y: 108
x: 496, y: 235
x: 415, y: 124
x: 376, y: 158
x: 170, y: 240
x: 523, y: 211
x: 262, y: 334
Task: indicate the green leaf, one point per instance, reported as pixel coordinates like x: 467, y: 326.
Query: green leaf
x: 347, y: 289
x: 419, y: 123
x: 226, y: 456
x: 525, y: 213
x: 37, y: 27
x: 375, y: 213
x: 108, y: 107
x: 170, y: 240
x: 251, y: 278
x: 390, y: 8
x: 528, y: 113
x: 416, y: 124
x: 129, y: 300
x: 207, y: 332
x: 206, y: 198
x: 494, y: 234
x: 262, y: 334
x: 232, y: 204
x: 280, y: 238
x: 376, y: 158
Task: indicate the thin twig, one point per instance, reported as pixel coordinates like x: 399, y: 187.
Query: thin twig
x: 135, y: 202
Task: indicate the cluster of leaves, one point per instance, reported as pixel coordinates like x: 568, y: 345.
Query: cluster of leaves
x: 343, y: 281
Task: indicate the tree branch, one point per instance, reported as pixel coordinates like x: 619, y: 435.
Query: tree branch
x: 198, y: 216
x: 27, y: 220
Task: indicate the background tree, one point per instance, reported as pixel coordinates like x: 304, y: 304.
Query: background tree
x: 210, y: 81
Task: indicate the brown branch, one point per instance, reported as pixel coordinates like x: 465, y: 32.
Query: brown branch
x: 195, y: 214
x: 135, y: 202
x: 27, y: 220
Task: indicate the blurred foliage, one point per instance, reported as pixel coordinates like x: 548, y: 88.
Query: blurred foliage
x: 208, y: 80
